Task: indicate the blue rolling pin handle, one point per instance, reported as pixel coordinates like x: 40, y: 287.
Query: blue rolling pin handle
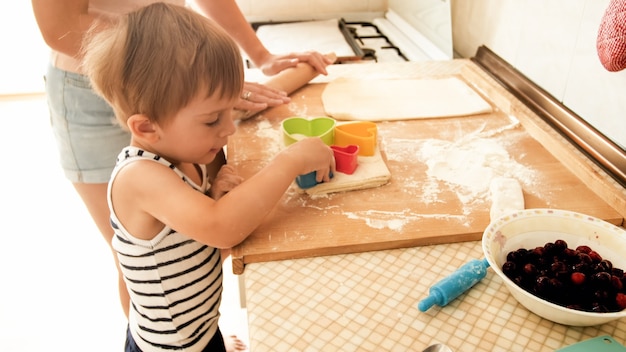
x: 452, y: 286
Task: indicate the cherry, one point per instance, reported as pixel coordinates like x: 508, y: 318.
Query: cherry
x: 595, y: 257
x: 550, y: 248
x: 530, y: 269
x: 561, y: 245
x: 575, y: 278
x: 584, y: 258
x: 602, y: 279
x: 509, y: 269
x: 616, y: 282
x: 620, y: 300
x: 578, y: 278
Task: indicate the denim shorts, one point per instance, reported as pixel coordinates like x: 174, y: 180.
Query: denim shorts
x: 87, y: 135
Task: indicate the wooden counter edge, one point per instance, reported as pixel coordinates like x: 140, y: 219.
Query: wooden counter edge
x: 236, y: 256
x: 239, y: 262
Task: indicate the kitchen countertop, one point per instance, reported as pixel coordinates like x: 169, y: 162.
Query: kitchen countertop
x: 368, y: 302
x: 364, y: 298
x: 415, y: 208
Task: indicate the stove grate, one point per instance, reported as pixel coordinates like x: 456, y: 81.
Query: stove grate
x: 366, y: 40
x: 361, y: 35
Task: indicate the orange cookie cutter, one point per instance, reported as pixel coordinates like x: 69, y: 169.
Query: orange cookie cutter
x: 361, y: 133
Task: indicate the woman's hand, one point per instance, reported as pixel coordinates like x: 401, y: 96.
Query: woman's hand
x: 257, y: 97
x: 226, y: 179
x: 274, y: 64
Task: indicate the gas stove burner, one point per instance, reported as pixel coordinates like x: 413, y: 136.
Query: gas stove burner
x: 365, y: 41
x: 364, y: 36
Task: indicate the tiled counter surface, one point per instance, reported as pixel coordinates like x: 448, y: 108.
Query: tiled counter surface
x: 368, y: 302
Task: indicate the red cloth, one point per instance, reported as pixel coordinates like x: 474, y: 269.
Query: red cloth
x: 611, y: 42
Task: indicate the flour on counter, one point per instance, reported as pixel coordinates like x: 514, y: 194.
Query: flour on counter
x: 470, y: 166
x: 272, y: 136
x: 467, y: 165
x: 299, y: 110
x: 380, y: 220
x: 394, y: 220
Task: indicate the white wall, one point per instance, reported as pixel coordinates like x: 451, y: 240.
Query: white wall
x: 24, y: 54
x: 430, y: 17
x: 553, y: 42
x: 289, y: 10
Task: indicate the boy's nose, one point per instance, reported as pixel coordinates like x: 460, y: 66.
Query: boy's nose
x: 229, y: 127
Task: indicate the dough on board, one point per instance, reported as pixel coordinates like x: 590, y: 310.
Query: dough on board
x: 506, y: 197
x: 371, y: 172
x: 401, y: 99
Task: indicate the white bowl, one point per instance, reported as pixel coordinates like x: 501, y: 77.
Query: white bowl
x: 534, y: 227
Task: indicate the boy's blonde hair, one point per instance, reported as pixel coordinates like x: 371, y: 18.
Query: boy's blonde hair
x: 155, y: 60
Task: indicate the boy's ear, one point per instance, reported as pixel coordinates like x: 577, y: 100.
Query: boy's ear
x: 142, y: 128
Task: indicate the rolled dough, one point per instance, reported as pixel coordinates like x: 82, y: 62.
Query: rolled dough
x: 506, y: 197
x: 371, y: 172
x: 401, y: 99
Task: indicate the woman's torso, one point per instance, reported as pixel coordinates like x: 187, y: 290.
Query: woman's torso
x: 105, y: 8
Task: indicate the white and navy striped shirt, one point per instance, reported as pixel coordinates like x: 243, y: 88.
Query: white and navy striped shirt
x: 175, y: 282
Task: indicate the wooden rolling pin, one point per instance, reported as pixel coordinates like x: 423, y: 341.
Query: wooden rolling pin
x: 288, y: 81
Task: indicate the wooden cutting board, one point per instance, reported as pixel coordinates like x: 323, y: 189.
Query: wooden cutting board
x: 436, y: 193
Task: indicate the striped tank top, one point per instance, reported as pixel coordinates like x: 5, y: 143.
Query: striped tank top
x: 174, y: 282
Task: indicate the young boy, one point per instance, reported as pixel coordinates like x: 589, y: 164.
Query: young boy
x: 173, y: 78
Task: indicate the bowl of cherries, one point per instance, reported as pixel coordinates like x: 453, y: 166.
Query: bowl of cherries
x: 564, y: 266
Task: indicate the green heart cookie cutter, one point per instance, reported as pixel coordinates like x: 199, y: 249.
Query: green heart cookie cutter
x: 297, y: 128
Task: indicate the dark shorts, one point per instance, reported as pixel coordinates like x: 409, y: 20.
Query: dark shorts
x: 215, y: 345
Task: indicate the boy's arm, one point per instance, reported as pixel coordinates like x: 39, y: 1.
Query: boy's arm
x: 228, y: 221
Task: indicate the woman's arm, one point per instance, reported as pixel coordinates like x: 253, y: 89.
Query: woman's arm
x: 228, y: 15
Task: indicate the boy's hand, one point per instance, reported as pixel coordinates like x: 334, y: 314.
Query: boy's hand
x: 311, y: 154
x: 226, y: 179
